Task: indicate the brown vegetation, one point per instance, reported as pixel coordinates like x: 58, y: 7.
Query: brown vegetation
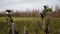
x: 33, y: 13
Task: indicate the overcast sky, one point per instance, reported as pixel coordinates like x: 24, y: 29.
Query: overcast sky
x: 27, y: 4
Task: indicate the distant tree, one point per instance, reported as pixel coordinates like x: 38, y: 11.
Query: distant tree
x: 57, y: 10
x: 56, y: 7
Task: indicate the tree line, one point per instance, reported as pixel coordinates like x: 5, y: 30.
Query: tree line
x: 31, y: 13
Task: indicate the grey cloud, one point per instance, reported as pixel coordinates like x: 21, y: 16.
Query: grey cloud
x: 39, y: 3
x: 7, y: 2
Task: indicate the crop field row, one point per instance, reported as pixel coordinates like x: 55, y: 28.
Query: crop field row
x: 33, y: 24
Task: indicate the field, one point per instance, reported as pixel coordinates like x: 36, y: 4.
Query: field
x: 34, y: 25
